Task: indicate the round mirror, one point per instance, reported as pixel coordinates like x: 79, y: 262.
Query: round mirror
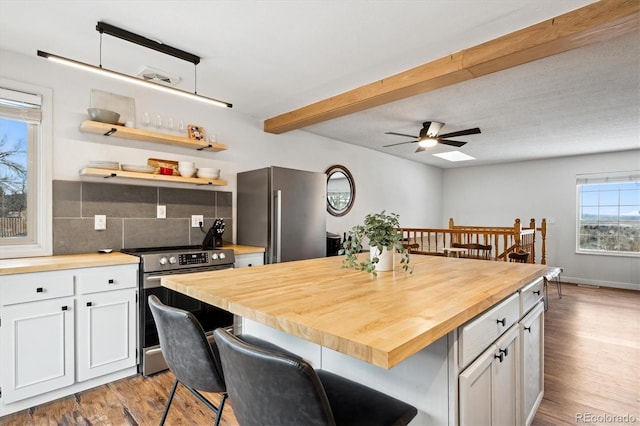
x: 341, y: 190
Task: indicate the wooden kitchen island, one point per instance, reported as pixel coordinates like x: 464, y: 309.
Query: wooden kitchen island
x: 397, y: 332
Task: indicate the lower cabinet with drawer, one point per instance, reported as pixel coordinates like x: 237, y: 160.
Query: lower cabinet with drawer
x: 65, y: 331
x: 106, y: 321
x: 501, y: 361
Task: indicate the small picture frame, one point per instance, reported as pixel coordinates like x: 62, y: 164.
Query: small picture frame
x: 196, y: 132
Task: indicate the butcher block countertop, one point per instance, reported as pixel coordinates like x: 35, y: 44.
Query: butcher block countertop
x: 240, y: 249
x: 381, y: 320
x: 87, y: 260
x: 72, y: 261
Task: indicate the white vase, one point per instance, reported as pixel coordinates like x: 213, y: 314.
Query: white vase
x: 385, y: 259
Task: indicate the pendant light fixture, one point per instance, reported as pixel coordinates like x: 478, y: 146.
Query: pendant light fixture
x: 103, y: 27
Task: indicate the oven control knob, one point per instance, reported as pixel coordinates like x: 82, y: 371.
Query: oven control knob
x: 163, y: 260
x: 222, y: 256
x: 214, y: 256
x: 173, y: 260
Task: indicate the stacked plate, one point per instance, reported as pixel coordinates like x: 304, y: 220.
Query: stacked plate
x: 111, y: 165
x: 137, y: 168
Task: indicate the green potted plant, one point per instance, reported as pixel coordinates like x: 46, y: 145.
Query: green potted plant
x: 382, y: 231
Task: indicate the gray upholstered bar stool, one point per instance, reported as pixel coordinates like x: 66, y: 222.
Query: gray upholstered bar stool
x: 190, y: 356
x: 279, y: 388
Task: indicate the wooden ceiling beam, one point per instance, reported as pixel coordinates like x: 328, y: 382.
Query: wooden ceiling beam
x: 591, y: 24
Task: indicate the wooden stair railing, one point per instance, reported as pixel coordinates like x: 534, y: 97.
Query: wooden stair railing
x: 503, y: 240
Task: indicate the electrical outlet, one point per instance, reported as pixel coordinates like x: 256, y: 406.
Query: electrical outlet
x: 197, y: 220
x: 100, y: 222
x: 161, y: 212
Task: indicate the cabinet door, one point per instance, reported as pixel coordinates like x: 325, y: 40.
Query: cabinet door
x: 106, y: 333
x: 532, y: 368
x: 505, y: 372
x: 37, y: 341
x: 475, y: 390
x: 489, y: 386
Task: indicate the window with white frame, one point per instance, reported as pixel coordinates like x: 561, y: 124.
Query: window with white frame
x: 25, y: 170
x: 609, y: 213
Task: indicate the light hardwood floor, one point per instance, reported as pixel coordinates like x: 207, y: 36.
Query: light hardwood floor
x: 592, y: 368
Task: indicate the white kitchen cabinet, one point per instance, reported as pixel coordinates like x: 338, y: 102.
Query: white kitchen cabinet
x: 488, y: 392
x: 65, y: 331
x: 106, y: 333
x: 106, y: 321
x: 532, y: 365
x: 249, y: 259
x: 36, y: 341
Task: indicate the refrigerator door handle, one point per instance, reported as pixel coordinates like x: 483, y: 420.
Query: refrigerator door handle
x: 278, y: 225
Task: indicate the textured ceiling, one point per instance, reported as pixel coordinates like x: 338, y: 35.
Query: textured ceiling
x: 269, y: 57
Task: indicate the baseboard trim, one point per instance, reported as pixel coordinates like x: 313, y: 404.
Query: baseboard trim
x: 599, y: 283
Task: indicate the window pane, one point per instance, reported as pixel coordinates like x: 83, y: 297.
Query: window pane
x: 609, y: 217
x: 589, y: 199
x: 630, y: 197
x: 13, y: 178
x: 609, y: 198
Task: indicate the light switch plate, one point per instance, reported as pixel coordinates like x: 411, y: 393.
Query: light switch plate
x: 161, y: 212
x: 100, y: 222
x: 196, y: 220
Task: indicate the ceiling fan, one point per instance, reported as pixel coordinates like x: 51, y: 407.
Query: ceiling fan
x: 429, y: 136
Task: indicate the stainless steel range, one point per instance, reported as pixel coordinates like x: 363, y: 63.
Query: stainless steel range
x: 156, y: 262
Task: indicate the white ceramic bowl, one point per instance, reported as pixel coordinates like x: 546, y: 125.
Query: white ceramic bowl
x: 187, y: 171
x: 187, y: 164
x: 210, y: 173
x: 103, y: 115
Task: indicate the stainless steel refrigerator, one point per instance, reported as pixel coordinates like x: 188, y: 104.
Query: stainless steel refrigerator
x: 284, y: 211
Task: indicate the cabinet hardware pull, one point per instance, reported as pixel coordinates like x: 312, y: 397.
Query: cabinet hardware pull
x: 39, y: 290
x: 89, y: 303
x: 528, y: 329
x: 502, y: 321
x: 505, y: 351
x: 111, y: 280
x: 64, y: 308
x: 500, y: 356
x: 537, y: 292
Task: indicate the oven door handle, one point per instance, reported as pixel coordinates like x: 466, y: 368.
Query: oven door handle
x: 153, y: 281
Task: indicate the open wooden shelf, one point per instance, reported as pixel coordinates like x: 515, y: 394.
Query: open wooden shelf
x: 106, y: 173
x: 106, y: 129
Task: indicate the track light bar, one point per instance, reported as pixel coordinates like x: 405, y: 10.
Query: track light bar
x: 130, y: 79
x: 103, y: 27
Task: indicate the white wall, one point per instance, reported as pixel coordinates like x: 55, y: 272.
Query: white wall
x: 383, y: 182
x: 496, y: 195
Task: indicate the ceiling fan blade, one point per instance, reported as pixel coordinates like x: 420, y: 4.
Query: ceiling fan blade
x: 420, y: 149
x: 400, y: 143
x: 400, y: 134
x: 452, y: 143
x: 432, y: 128
x: 473, y: 131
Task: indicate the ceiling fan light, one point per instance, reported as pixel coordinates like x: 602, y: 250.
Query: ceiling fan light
x: 427, y: 142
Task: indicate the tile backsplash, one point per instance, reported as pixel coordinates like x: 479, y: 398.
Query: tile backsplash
x: 131, y: 215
